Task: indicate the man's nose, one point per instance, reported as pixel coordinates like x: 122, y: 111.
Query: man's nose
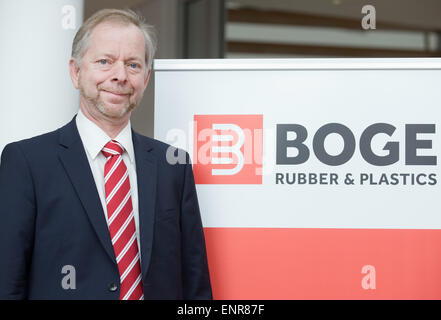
x: 119, y: 72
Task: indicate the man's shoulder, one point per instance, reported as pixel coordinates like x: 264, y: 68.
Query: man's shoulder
x: 151, y: 142
x: 39, y: 141
x: 37, y: 145
x: 163, y: 151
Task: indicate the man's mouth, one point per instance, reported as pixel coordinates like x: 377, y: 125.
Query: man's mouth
x: 118, y: 93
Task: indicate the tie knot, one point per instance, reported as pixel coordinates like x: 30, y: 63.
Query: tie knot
x: 112, y: 148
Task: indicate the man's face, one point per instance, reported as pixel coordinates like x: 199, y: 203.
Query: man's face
x: 112, y: 76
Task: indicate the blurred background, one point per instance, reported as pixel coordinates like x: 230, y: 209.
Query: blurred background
x: 288, y: 28
x: 205, y: 29
x: 210, y: 29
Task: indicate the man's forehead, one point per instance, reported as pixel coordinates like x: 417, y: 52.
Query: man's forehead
x: 109, y: 35
x: 108, y: 28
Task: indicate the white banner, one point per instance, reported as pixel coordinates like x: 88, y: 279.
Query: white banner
x: 357, y: 139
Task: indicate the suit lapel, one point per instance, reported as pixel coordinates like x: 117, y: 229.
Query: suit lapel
x: 73, y: 157
x: 146, y: 172
x: 74, y: 160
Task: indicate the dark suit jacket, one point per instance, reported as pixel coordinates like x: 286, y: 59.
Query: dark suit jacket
x: 51, y: 216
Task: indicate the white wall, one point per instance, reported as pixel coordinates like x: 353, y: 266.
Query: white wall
x: 36, y: 92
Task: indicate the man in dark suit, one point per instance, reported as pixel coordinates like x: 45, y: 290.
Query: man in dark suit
x: 94, y: 210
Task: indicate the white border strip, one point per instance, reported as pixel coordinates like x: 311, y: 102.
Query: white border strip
x: 297, y: 64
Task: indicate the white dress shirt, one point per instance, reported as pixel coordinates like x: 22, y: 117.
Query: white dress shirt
x: 94, y: 139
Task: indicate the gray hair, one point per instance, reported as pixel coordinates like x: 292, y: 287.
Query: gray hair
x: 126, y: 16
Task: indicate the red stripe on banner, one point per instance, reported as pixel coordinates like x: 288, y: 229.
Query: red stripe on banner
x: 260, y: 263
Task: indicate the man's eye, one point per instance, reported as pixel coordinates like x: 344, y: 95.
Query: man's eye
x: 133, y: 65
x: 102, y: 61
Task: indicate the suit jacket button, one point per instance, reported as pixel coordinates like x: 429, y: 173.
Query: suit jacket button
x: 113, y: 287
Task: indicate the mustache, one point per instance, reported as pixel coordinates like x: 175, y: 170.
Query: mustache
x: 116, y: 90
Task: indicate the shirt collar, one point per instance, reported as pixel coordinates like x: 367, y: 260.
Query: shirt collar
x: 94, y: 138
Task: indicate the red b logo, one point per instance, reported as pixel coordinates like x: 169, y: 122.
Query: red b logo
x: 228, y: 149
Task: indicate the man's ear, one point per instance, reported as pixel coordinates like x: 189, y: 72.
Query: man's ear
x: 146, y: 81
x: 74, y: 72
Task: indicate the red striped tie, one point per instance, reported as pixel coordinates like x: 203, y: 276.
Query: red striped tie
x: 121, y: 222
